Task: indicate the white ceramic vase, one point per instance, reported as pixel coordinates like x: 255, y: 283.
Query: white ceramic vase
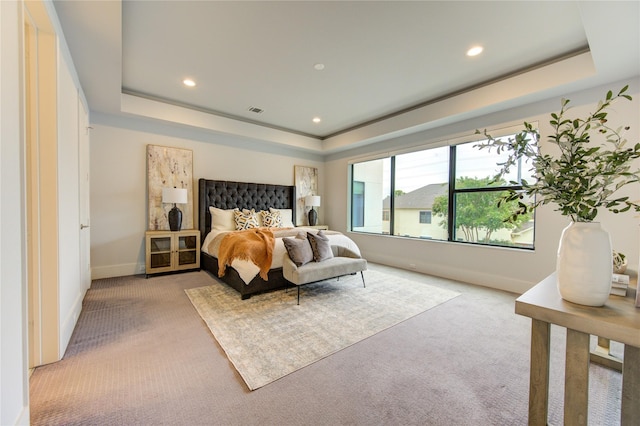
x: 585, y: 264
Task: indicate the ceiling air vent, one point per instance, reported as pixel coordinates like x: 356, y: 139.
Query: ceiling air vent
x: 256, y: 110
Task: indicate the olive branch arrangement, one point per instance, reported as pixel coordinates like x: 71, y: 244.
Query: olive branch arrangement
x: 584, y: 177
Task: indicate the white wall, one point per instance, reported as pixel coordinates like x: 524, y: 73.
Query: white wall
x: 509, y: 269
x: 118, y: 181
x: 118, y: 194
x: 14, y: 385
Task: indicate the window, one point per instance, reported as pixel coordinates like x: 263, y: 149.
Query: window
x: 419, y: 177
x: 357, y: 205
x: 477, y: 217
x: 369, y: 196
x: 425, y: 217
x: 446, y: 193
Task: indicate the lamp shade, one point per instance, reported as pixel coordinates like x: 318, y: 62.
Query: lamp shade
x: 312, y: 200
x: 174, y: 195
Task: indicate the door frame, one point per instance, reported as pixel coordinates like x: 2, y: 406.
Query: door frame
x: 40, y: 56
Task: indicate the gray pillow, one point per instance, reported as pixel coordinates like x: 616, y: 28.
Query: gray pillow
x: 299, y: 249
x: 320, y: 246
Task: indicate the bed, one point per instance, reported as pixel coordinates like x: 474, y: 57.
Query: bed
x: 228, y: 195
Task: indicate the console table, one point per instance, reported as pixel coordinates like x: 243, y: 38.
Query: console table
x: 617, y: 320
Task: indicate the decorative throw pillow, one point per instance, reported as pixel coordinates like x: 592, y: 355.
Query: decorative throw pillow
x: 271, y: 219
x: 286, y: 215
x: 245, y: 219
x: 299, y: 249
x: 222, y: 220
x: 320, y: 246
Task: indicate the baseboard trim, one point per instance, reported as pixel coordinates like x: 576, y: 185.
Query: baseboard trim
x: 498, y: 282
x: 24, y: 418
x: 98, y: 272
x: 69, y: 323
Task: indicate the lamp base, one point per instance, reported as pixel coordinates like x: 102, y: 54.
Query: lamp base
x: 175, y: 218
x: 313, y: 217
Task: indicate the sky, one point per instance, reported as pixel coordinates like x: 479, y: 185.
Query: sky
x: 417, y: 169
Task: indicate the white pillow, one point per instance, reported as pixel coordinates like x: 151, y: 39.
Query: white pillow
x: 260, y: 218
x: 286, y: 215
x: 222, y: 220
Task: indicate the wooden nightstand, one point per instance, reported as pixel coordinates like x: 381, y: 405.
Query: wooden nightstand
x: 323, y: 227
x: 169, y: 251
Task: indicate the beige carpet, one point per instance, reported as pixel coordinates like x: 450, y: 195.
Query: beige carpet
x: 268, y: 336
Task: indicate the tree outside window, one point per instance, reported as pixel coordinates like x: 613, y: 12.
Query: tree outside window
x: 479, y: 217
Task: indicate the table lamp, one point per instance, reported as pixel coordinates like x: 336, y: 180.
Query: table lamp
x: 175, y: 196
x: 313, y: 201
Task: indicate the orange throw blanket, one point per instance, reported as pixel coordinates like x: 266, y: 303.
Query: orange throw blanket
x: 254, y: 244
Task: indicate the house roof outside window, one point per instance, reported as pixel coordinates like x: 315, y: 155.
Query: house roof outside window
x: 421, y: 198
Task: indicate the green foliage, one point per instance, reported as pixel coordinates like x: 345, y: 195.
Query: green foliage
x: 585, y: 176
x: 479, y: 212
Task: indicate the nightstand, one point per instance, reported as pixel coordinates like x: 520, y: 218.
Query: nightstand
x: 170, y: 251
x: 323, y: 227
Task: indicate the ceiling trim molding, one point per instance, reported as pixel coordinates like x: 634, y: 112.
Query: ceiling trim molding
x: 130, y: 92
x: 521, y: 88
x: 148, y: 108
x: 507, y: 92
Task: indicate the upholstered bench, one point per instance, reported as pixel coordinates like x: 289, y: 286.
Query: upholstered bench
x: 343, y: 262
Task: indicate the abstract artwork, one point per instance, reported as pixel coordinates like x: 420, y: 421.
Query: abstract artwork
x: 168, y: 168
x: 306, y: 181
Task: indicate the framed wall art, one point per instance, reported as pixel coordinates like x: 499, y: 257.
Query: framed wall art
x: 168, y: 168
x: 306, y: 182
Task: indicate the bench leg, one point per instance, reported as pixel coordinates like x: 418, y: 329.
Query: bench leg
x: 338, y: 278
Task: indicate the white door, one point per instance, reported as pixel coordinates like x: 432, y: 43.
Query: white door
x: 83, y: 193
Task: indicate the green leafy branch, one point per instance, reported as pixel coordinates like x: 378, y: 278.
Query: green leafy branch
x: 584, y: 177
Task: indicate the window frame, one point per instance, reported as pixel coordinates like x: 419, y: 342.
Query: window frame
x: 428, y: 214
x: 453, y: 192
x: 353, y: 203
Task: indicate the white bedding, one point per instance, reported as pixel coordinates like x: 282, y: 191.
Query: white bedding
x: 248, y: 270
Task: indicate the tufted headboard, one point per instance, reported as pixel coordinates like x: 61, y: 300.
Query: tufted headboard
x: 225, y: 194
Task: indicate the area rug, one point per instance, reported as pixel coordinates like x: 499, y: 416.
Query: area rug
x: 269, y: 336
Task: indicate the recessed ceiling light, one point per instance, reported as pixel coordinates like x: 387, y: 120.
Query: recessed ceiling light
x: 188, y: 82
x: 316, y: 119
x: 318, y: 67
x: 474, y: 51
